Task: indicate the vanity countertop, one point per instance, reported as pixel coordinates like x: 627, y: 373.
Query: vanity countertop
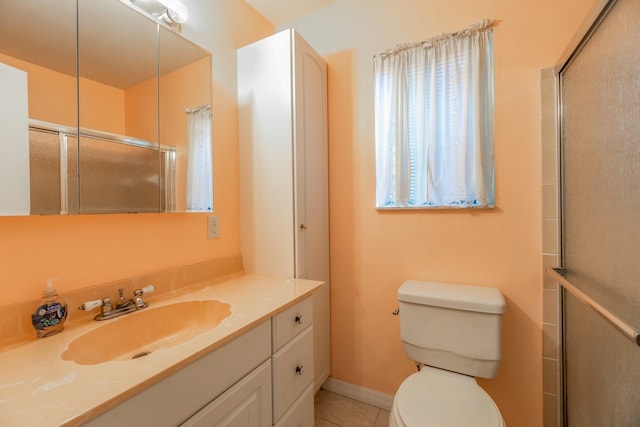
x: 37, y: 387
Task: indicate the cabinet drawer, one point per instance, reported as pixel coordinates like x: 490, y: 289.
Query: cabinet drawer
x: 291, y: 322
x: 247, y: 403
x: 301, y: 412
x: 292, y: 371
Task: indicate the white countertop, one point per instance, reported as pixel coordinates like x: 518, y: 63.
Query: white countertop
x: 37, y: 387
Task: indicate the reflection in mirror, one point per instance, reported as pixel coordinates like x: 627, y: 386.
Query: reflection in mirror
x: 118, y: 109
x: 145, y: 140
x: 38, y: 84
x: 185, y: 122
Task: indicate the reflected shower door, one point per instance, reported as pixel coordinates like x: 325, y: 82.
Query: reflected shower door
x: 600, y: 96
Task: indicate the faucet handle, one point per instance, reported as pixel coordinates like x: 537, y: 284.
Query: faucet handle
x: 138, y: 296
x: 148, y: 289
x: 90, y: 305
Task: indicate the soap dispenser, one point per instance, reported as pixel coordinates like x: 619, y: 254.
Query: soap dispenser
x: 48, y: 318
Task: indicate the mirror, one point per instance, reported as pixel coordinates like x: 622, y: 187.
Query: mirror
x: 185, y: 123
x: 126, y: 128
x: 38, y: 76
x: 118, y: 148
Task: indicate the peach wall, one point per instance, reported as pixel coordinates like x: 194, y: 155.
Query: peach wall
x: 52, y: 98
x: 141, y: 110
x: 101, y: 107
x: 90, y: 249
x: 373, y: 252
x: 52, y: 95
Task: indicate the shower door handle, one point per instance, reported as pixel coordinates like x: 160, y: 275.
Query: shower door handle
x: 628, y: 331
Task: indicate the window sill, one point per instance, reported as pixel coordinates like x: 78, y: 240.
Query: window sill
x: 439, y: 208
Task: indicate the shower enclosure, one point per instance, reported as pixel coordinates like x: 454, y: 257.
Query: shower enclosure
x: 125, y: 177
x: 599, y: 104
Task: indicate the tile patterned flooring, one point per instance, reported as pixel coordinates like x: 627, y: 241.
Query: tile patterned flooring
x: 334, y: 410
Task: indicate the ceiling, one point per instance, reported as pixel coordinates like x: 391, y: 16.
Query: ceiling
x: 280, y: 11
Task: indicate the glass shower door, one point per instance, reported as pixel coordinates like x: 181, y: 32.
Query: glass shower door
x: 600, y: 98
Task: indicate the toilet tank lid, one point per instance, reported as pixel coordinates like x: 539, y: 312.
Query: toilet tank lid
x: 461, y: 297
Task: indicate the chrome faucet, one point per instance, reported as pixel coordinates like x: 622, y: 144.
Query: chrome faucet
x: 122, y: 303
x: 123, y: 306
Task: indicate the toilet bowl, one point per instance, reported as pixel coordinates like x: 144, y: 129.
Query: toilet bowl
x: 437, y: 398
x: 455, y: 331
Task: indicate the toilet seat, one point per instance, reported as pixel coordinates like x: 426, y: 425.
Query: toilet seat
x: 433, y: 397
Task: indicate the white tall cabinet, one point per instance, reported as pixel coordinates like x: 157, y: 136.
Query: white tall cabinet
x: 14, y: 142
x: 282, y: 96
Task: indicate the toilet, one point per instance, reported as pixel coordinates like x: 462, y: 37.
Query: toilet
x: 455, y: 332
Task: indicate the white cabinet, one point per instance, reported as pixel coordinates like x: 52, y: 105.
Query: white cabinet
x: 282, y: 96
x: 176, y: 398
x: 14, y: 142
x: 262, y: 377
x: 292, y: 363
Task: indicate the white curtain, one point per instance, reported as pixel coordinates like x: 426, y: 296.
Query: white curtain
x: 200, y: 167
x: 434, y: 121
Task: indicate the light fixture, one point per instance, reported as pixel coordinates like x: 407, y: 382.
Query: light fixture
x: 170, y: 12
x: 175, y: 12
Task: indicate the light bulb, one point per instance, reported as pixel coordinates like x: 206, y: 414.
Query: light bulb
x: 176, y: 12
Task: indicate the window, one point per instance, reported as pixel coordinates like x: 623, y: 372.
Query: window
x: 200, y: 167
x: 434, y: 122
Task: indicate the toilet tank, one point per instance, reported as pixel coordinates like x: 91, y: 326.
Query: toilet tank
x: 453, y: 327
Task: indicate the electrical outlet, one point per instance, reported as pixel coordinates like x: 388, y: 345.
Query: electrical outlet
x: 213, y: 227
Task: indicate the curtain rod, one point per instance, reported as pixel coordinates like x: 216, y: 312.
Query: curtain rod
x: 474, y: 28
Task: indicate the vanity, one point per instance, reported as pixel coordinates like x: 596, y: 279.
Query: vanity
x: 255, y: 367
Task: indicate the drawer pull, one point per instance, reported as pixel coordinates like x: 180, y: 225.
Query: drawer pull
x: 299, y: 369
x: 299, y: 319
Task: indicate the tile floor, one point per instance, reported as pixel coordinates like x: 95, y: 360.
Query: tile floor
x: 334, y: 410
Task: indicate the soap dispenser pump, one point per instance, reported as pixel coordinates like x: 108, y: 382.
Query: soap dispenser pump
x: 51, y: 313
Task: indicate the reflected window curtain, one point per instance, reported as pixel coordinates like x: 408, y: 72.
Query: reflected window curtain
x: 200, y: 168
x: 434, y: 122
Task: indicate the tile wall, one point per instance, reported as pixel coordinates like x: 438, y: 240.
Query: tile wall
x: 551, y: 316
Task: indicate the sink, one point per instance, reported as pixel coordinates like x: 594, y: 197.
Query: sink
x: 140, y: 333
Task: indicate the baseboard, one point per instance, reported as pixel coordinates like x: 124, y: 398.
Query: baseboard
x: 363, y: 394
x: 318, y: 382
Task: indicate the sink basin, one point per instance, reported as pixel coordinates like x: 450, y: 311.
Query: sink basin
x: 140, y: 333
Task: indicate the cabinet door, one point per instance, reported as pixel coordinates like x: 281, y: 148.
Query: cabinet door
x: 311, y: 169
x: 246, y: 404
